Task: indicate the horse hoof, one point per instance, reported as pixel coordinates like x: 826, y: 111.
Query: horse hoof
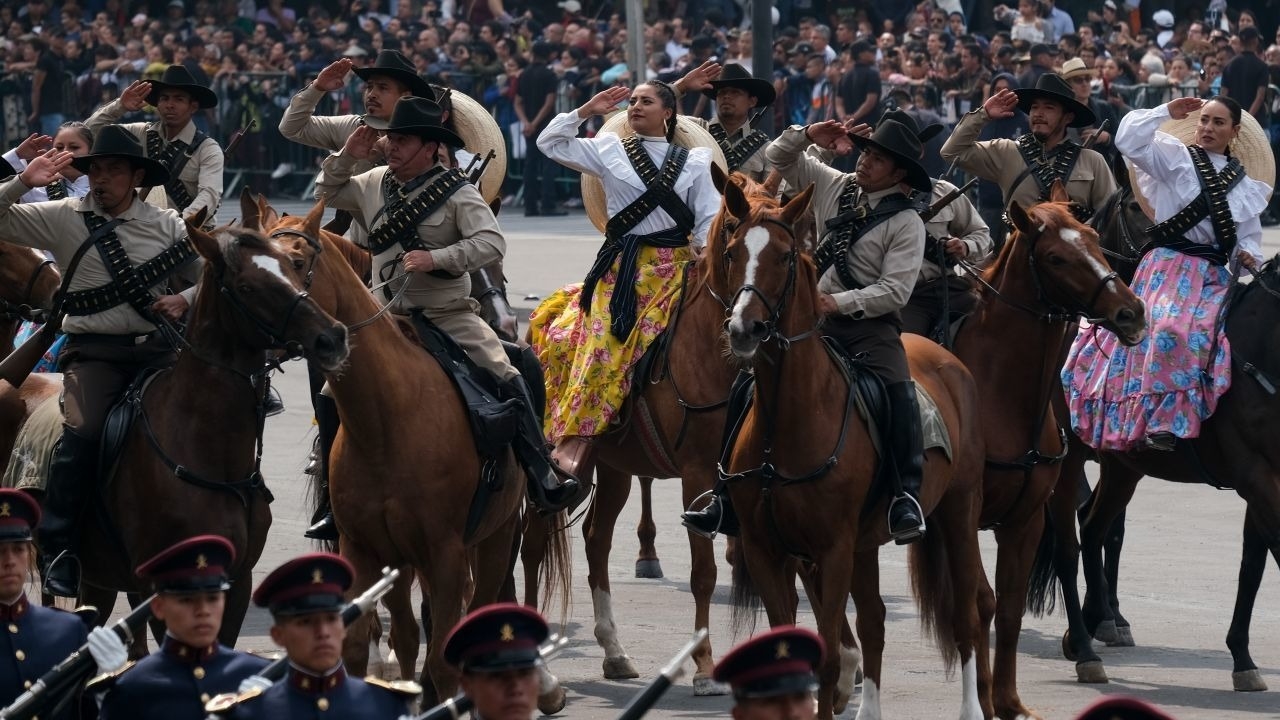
x: 1091, y: 672
x: 620, y: 668
x: 1248, y: 681
x: 649, y: 569
x: 1106, y: 632
x: 1124, y: 637
x: 850, y: 677
x: 704, y: 686
x: 553, y: 701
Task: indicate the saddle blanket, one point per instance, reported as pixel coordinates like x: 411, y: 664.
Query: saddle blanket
x: 29, y: 463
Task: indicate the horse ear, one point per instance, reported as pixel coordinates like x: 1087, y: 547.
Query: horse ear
x: 719, y: 177
x: 1121, y: 172
x: 312, y: 221
x: 798, y: 205
x: 735, y: 201
x: 267, y: 215
x: 249, y: 210
x: 772, y: 183
x: 198, y: 219
x: 1021, y: 220
x: 204, y: 243
x: 1058, y: 192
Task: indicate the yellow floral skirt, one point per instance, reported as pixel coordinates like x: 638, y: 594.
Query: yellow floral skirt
x: 587, y: 368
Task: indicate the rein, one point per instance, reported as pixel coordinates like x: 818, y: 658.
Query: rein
x: 1114, y: 206
x: 24, y: 310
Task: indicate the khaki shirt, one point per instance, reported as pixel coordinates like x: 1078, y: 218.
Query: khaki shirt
x: 58, y: 226
x: 885, y: 261
x: 202, y: 175
x: 462, y: 236
x: 756, y: 165
x: 959, y: 219
x: 999, y: 161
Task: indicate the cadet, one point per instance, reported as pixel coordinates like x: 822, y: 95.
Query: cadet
x: 496, y: 650
x: 773, y: 675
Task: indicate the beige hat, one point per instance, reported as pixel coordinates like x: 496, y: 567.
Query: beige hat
x: 688, y: 134
x: 480, y: 133
x: 1250, y: 146
x: 1074, y: 68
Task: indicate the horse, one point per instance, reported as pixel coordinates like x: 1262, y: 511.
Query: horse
x: 404, y: 518
x: 28, y: 281
x: 836, y: 522
x: 170, y: 481
x: 1231, y: 452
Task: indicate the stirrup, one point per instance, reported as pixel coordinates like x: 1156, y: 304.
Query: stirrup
x: 1160, y: 441
x: 63, y: 586
x: 689, y: 518
x: 905, y: 536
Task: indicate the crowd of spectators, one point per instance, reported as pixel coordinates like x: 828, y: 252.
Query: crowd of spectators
x: 831, y: 59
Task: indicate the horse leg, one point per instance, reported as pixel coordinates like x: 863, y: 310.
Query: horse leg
x: 956, y: 522
x: 702, y: 583
x: 404, y: 635
x: 1016, y: 551
x: 647, y: 563
x: 864, y: 586
x: 355, y: 647
x: 612, y: 490
x: 1123, y: 634
x: 237, y: 606
x: 850, y: 654
x: 155, y: 624
x: 1076, y: 643
x: 1253, y: 562
x: 449, y: 591
x: 533, y: 549
x: 1114, y: 490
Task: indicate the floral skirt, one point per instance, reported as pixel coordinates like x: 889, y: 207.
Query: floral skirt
x: 587, y: 369
x: 49, y: 361
x: 1167, y: 383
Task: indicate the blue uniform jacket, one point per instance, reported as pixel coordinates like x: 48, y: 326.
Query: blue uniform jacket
x: 175, y: 683
x: 304, y: 695
x: 35, y: 639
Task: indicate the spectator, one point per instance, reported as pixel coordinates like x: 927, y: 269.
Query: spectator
x: 1042, y: 60
x: 275, y: 13
x: 1028, y: 25
x: 858, y: 99
x: 1245, y: 77
x: 535, y: 104
x: 48, y: 86
x: 822, y: 103
x: 990, y: 197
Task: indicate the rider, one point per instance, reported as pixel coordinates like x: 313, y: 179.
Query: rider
x: 305, y: 598
x: 110, y: 324
x: 73, y: 136
x: 1207, y: 211
x: 1025, y: 168
x: 39, y: 638
x: 192, y: 159
x: 774, y: 675
x: 868, y: 264
x: 496, y: 650
x: 444, y: 229
x: 738, y: 97
x: 190, y: 580
x: 661, y: 200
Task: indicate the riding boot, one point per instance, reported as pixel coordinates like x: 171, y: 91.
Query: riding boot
x: 906, y: 451
x: 273, y: 404
x: 323, y: 527
x: 717, y: 517
x: 71, y: 477
x: 550, y: 488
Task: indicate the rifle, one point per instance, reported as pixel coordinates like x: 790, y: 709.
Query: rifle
x: 55, y: 685
x: 459, y: 705
x: 238, y: 136
x: 932, y: 211
x: 939, y: 250
x: 649, y: 696
x: 475, y: 173
x: 1093, y: 139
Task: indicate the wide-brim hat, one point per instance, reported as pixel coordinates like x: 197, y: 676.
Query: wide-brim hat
x: 422, y: 117
x: 1051, y: 86
x: 1075, y: 67
x: 114, y: 141
x: 735, y: 76
x: 924, y: 135
x: 900, y: 142
x: 396, y: 66
x: 178, y: 77
x: 1251, y: 146
x: 480, y: 134
x: 689, y: 134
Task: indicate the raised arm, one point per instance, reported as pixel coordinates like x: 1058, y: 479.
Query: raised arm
x: 799, y: 168
x: 559, y: 141
x: 334, y: 183
x: 963, y: 149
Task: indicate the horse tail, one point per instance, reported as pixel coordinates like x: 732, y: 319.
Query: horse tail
x: 933, y: 589
x: 1042, y: 587
x: 556, y: 569
x: 743, y: 596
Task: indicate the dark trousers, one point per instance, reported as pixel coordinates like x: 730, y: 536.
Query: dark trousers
x: 923, y: 310
x: 539, y: 179
x: 877, y: 340
x: 97, y: 371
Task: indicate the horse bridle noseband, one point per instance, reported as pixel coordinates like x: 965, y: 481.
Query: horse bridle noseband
x: 25, y: 310
x: 772, y: 330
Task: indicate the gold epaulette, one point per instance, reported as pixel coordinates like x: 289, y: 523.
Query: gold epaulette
x: 105, y: 680
x: 224, y: 703
x: 407, y: 688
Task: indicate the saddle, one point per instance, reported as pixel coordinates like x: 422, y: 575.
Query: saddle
x: 120, y: 420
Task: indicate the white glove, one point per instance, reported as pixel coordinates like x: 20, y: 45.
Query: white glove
x: 254, y: 682
x: 108, y: 650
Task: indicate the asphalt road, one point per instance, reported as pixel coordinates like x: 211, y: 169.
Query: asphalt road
x: 1178, y: 577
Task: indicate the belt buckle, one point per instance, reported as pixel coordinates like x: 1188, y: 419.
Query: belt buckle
x: 860, y: 212
x: 141, y: 339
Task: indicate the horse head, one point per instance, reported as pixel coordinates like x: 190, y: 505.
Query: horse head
x: 761, y: 265
x: 1121, y: 225
x: 264, y: 295
x: 1067, y: 270
x: 28, y: 282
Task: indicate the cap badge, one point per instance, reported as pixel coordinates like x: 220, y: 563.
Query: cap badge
x: 508, y: 633
x: 317, y: 577
x: 4, y: 509
x: 783, y: 651
x: 202, y: 562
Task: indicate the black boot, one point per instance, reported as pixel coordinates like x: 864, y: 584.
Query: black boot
x: 717, y: 517
x: 550, y: 489
x: 272, y: 405
x: 906, y: 450
x: 323, y: 527
x: 71, y: 476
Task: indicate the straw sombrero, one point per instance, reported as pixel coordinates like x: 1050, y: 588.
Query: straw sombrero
x: 480, y: 133
x: 1250, y: 146
x: 688, y: 134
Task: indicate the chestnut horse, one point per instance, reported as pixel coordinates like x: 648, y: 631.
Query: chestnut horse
x: 402, y: 480
x: 189, y: 465
x: 28, y: 281
x: 830, y: 516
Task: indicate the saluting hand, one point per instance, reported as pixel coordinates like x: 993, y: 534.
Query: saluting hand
x: 44, y: 169
x: 1001, y: 105
x: 604, y: 101
x: 360, y: 145
x: 699, y: 78
x: 134, y: 97
x: 853, y: 127
x: 1184, y: 106
x: 35, y: 144
x: 831, y: 135
x: 334, y: 75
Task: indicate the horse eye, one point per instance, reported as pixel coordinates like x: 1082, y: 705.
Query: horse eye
x: 244, y: 289
x: 298, y: 263
x: 1056, y: 260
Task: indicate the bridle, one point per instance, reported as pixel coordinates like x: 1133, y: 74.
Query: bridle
x: 24, y: 310
x: 775, y: 311
x: 1130, y: 252
x: 276, y: 336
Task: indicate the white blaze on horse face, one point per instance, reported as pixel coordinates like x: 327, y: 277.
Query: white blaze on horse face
x: 606, y: 628
x: 870, y: 707
x: 271, y: 265
x: 1075, y: 238
x: 970, y: 707
x: 756, y: 240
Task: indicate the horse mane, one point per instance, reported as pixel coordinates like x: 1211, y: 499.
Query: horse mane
x: 1055, y: 214
x: 711, y: 270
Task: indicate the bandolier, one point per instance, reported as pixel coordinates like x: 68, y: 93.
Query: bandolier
x: 1211, y: 203
x: 129, y: 284
x: 56, y: 190
x: 736, y: 155
x: 174, y: 156
x: 852, y: 222
x: 1058, y: 165
x: 403, y: 216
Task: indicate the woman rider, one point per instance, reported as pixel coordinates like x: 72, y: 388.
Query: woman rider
x: 661, y: 201
x: 1207, y: 209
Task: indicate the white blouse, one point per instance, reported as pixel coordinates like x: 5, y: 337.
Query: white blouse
x: 77, y: 188
x: 1168, y: 180
x: 604, y: 157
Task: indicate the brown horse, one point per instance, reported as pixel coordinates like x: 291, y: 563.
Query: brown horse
x: 28, y: 281
x: 189, y: 464
x: 1049, y: 272
x: 831, y: 517
x: 399, y: 500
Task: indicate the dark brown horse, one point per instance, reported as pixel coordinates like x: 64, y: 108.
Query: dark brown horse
x: 802, y: 467
x: 189, y: 465
x: 402, y: 481
x: 28, y: 281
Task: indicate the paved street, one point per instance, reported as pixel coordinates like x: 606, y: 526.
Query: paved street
x: 1178, y: 578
